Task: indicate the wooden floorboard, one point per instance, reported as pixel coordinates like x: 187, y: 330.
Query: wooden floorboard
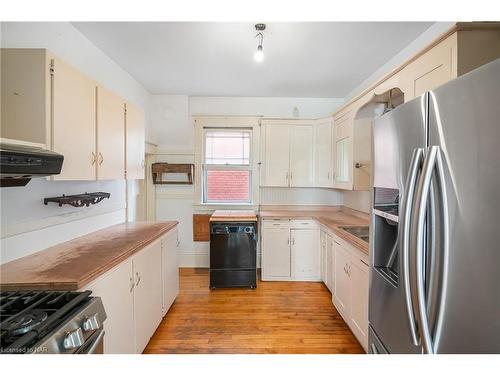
x: 277, y: 317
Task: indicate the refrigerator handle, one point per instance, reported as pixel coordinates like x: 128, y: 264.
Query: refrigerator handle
x: 415, y: 164
x: 421, y: 205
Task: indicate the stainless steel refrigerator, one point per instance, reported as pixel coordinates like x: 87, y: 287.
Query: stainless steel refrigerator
x: 435, y: 246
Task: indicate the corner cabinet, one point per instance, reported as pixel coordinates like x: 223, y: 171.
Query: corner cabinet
x: 323, y: 153
x: 49, y: 104
x: 343, y: 134
x: 137, y: 293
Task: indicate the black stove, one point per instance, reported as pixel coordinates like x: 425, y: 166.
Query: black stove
x: 50, y: 322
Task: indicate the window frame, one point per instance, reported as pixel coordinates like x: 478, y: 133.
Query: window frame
x: 231, y: 123
x: 226, y: 167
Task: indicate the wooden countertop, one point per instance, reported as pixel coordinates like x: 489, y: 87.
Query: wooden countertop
x: 332, y: 219
x: 233, y: 215
x: 74, y: 264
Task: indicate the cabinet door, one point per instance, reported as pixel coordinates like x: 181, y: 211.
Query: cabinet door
x: 116, y: 292
x: 305, y: 254
x: 342, y: 293
x: 74, y: 122
x: 322, y: 242
x: 147, y: 294
x: 110, y: 135
x: 323, y: 171
x: 170, y: 269
x: 330, y: 257
x: 301, y: 155
x: 342, y: 160
x: 135, y: 138
x: 277, y: 155
x: 275, y: 253
x: 359, y: 300
x: 434, y: 68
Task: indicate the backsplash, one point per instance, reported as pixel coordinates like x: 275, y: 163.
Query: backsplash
x: 300, y: 196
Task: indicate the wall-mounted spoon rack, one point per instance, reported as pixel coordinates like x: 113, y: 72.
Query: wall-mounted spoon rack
x: 78, y: 200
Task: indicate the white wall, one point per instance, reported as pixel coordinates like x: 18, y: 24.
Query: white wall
x: 27, y: 224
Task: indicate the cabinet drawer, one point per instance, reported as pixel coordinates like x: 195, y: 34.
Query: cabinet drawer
x: 306, y: 223
x: 275, y: 223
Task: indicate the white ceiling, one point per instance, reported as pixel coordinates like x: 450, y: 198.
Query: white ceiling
x: 302, y: 59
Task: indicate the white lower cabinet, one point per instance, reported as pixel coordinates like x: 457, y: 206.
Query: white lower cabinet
x: 170, y: 269
x: 341, y: 293
x: 305, y: 255
x: 330, y: 264
x: 147, y: 294
x: 116, y: 290
x: 350, y: 295
x: 290, y: 251
x: 136, y: 293
x: 323, y: 236
x: 276, y: 258
x: 358, y: 321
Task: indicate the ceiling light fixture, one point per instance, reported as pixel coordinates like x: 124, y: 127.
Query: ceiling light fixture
x: 259, y: 54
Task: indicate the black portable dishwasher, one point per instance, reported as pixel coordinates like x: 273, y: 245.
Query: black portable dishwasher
x: 233, y: 255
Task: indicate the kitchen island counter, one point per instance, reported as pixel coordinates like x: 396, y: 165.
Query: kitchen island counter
x: 74, y: 264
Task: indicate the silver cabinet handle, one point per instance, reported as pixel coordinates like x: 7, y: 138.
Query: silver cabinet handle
x: 93, y: 158
x: 74, y: 339
x: 288, y: 241
x: 411, y: 181
x: 423, y: 192
x: 138, y: 277
x: 101, y: 158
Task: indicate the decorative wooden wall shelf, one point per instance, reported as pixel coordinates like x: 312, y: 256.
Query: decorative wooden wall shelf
x: 159, y: 169
x: 78, y: 200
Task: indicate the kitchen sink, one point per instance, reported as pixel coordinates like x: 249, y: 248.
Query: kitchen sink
x: 361, y: 232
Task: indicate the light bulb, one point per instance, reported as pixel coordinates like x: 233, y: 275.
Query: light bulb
x: 259, y: 54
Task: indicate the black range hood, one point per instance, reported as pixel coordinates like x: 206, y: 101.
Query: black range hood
x: 19, y: 164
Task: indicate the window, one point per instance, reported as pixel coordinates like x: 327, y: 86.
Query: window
x: 227, y: 168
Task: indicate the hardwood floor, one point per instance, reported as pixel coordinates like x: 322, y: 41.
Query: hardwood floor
x: 277, y: 317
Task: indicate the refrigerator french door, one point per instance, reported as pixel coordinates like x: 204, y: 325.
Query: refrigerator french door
x: 442, y: 294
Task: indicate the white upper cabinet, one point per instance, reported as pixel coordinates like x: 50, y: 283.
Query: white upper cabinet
x: 74, y: 122
x: 277, y: 155
x: 135, y: 153
x: 110, y: 135
x: 323, y: 155
x: 343, y: 128
x: 26, y: 86
x: 301, y: 155
x: 288, y: 153
x: 49, y: 104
